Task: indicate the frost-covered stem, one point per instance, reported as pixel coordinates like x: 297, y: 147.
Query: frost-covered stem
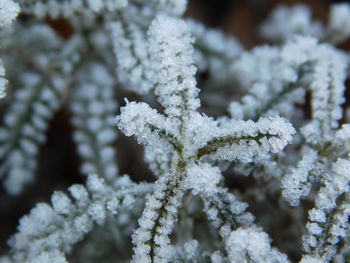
x: 332, y: 220
x: 129, y: 46
x: 328, y: 221
x: 327, y: 96
x: 173, y: 67
x: 157, y: 221
x: 216, y: 144
x: 25, y: 126
x: 27, y: 119
x: 226, y: 214
x: 58, y: 228
x: 325, y: 242
x: 266, y: 135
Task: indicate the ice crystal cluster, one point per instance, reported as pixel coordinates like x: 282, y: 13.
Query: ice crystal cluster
x: 285, y: 128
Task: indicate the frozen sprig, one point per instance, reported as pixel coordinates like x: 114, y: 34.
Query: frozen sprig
x: 129, y: 43
x: 226, y: 213
x: 268, y: 93
x: 93, y: 106
x: 35, y: 102
x: 247, y: 140
x: 49, y: 232
x: 149, y: 127
x: 24, y: 130
x: 297, y: 183
x: 305, y: 66
x: 328, y: 220
x: 171, y: 51
x: 184, y: 148
x: 314, y: 162
x: 328, y: 86
x: 151, y: 239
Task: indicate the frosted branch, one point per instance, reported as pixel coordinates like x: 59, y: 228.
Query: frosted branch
x: 151, y: 239
x: 226, y: 213
x: 93, y: 108
x: 26, y: 121
x: 297, y: 183
x: 172, y: 66
x: 48, y: 232
x: 129, y: 43
x: 328, y: 221
x: 148, y: 126
x: 246, y: 140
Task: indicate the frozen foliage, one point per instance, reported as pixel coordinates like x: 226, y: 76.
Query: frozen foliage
x: 189, y: 137
x: 50, y: 231
x: 20, y: 135
x: 93, y: 108
x: 297, y: 184
x: 129, y: 42
x: 328, y: 221
x: 286, y: 128
x: 26, y: 120
x: 302, y: 63
x: 172, y: 66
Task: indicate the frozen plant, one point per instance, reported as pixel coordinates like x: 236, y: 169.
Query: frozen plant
x: 286, y: 130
